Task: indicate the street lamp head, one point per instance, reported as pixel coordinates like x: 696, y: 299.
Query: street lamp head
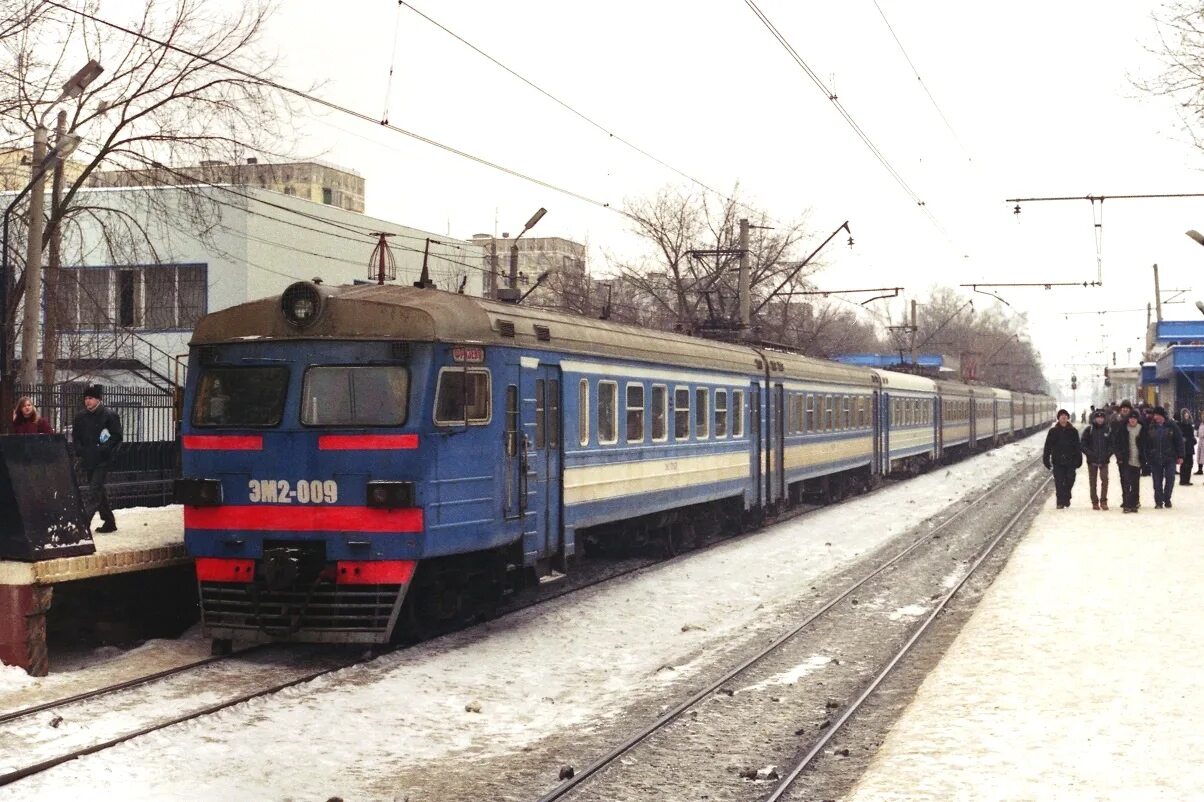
x: 1196, y: 235
x: 65, y: 147
x: 1200, y: 306
x: 76, y: 84
x: 535, y: 218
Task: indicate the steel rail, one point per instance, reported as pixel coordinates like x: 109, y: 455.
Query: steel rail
x: 569, y: 784
x: 788, y: 780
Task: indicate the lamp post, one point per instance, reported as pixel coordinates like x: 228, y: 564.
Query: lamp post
x: 511, y: 293
x: 74, y: 87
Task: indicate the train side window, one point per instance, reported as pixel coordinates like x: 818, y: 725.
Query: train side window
x: 721, y: 413
x: 635, y: 413
x: 511, y: 420
x: 737, y: 413
x: 462, y: 396
x: 583, y: 412
x: 540, y: 413
x: 809, y: 421
x: 829, y: 414
x: 681, y: 413
x: 702, y: 413
x: 553, y: 403
x: 860, y: 411
x: 660, y: 413
x: 608, y: 401
x: 847, y: 414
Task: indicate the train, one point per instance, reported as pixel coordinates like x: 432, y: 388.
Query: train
x: 358, y: 460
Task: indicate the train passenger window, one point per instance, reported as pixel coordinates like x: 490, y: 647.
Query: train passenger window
x: 702, y: 413
x: 829, y: 414
x: 635, y: 413
x: 737, y: 413
x: 681, y: 413
x: 860, y: 411
x: 511, y: 420
x: 354, y: 395
x: 242, y: 396
x: 660, y: 413
x: 608, y: 402
x: 583, y: 412
x: 540, y: 412
x: 462, y: 396
x: 553, y: 403
x: 847, y: 415
x: 809, y: 422
x: 721, y: 413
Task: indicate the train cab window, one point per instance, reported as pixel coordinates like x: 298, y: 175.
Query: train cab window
x: 355, y: 395
x: 681, y: 413
x: 721, y: 413
x: 737, y: 413
x: 809, y: 417
x: 583, y: 412
x: 635, y: 413
x: 540, y: 415
x: 608, y: 402
x: 660, y: 413
x: 702, y: 413
x: 242, y: 396
x: 462, y: 397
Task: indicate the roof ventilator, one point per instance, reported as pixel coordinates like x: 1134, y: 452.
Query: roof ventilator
x: 543, y: 334
x: 505, y: 328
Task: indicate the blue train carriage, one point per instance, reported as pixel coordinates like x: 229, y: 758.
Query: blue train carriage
x: 1003, y: 416
x: 824, y: 436
x: 956, y: 401
x: 909, y: 433
x: 347, y: 448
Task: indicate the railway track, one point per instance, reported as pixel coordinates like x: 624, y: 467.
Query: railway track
x: 42, y: 738
x: 603, y: 778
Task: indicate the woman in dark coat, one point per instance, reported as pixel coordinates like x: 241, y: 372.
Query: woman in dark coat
x: 26, y: 419
x: 1188, y: 427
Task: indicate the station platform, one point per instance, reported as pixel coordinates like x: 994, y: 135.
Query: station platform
x: 146, y: 539
x: 1076, y: 678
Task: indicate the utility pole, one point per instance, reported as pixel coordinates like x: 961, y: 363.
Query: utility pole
x: 424, y: 281
x: 1157, y: 295
x: 745, y: 283
x: 50, y: 335
x: 33, y: 262
x: 914, y: 329
x: 491, y: 290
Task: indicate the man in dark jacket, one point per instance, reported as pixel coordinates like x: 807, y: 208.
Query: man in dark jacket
x: 1063, y: 456
x: 1096, y: 443
x: 1129, y: 446
x: 1187, y: 427
x: 96, y: 433
x: 1164, y: 453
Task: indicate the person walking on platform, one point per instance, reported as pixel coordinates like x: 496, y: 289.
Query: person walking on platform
x: 96, y: 433
x: 1200, y: 448
x: 26, y: 419
x: 1063, y: 455
x: 1129, y: 446
x: 1164, y: 453
x: 1096, y: 443
x: 1187, y: 427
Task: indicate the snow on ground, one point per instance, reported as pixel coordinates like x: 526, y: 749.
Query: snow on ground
x: 551, y: 668
x: 1076, y: 678
x: 143, y: 528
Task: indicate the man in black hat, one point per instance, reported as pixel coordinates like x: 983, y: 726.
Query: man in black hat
x: 1063, y: 456
x: 96, y: 433
x: 1164, y: 452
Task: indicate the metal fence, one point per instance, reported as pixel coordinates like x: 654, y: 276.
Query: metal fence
x: 147, y: 460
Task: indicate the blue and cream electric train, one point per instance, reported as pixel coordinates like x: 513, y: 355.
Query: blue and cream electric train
x: 346, y: 449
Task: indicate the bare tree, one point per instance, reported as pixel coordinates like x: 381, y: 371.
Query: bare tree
x: 163, y: 99
x: 1180, y: 46
x: 690, y: 276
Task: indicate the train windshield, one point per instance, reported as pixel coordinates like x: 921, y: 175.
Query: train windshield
x: 347, y: 395
x: 242, y: 396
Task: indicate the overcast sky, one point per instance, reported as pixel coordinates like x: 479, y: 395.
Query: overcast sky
x: 1038, y: 97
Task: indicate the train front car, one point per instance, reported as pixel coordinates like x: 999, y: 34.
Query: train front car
x: 314, y: 428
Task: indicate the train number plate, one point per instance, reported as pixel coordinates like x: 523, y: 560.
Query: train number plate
x: 281, y: 491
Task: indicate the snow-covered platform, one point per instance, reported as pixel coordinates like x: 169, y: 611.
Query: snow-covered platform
x: 146, y: 539
x: 1077, y: 676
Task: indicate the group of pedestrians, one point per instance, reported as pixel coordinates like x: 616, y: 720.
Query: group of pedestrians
x: 1143, y: 441
x: 95, y: 433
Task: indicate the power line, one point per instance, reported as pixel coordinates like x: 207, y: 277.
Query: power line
x: 336, y: 107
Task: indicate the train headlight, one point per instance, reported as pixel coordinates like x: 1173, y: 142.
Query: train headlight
x: 198, y: 492
x: 391, y: 495
x: 301, y: 304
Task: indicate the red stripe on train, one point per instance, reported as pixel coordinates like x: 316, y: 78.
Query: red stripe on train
x: 214, y: 569
x: 382, y: 572
x: 304, y: 519
x: 223, y: 442
x: 366, y: 442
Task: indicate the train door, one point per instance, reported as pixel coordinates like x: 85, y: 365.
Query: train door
x: 973, y: 410
x: 876, y: 420
x: 756, y: 439
x: 887, y: 421
x: 542, y: 427
x: 514, y: 472
x: 938, y: 417
x: 777, y: 490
